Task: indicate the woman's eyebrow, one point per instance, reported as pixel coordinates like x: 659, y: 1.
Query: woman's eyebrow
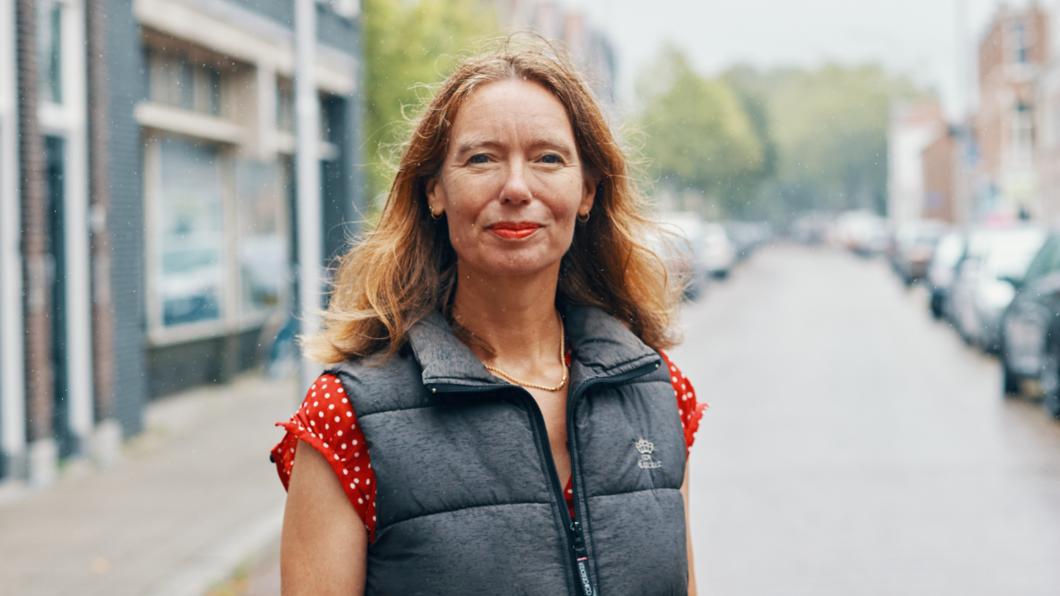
x: 475, y: 144
x: 543, y: 142
x: 552, y: 143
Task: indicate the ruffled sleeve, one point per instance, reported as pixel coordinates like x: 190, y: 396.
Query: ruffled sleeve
x: 327, y: 422
x: 691, y: 410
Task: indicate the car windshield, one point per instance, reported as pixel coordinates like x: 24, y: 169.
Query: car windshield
x: 949, y: 250
x: 1009, y: 253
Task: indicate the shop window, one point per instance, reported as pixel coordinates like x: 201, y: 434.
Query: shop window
x: 1022, y: 135
x: 50, y: 50
x: 219, y: 239
x: 324, y: 109
x: 189, y: 231
x: 176, y: 80
x: 284, y: 105
x: 1019, y: 36
x: 261, y: 189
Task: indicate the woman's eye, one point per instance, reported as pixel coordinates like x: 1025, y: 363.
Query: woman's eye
x: 551, y: 158
x: 478, y: 159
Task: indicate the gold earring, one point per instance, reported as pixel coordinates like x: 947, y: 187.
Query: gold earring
x: 583, y: 217
x: 436, y: 216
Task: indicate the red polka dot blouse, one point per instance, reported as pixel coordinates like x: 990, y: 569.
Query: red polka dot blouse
x: 327, y: 422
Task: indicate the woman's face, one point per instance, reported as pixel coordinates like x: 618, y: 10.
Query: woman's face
x: 512, y: 182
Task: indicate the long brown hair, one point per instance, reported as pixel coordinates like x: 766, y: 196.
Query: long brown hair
x: 405, y: 267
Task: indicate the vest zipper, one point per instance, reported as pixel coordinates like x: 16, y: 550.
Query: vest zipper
x: 578, y: 561
x: 581, y: 558
x: 581, y: 553
x: 575, y: 539
x: 575, y: 544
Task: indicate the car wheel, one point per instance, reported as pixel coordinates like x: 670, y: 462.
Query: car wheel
x: 937, y: 307
x: 1051, y: 380
x: 1010, y: 383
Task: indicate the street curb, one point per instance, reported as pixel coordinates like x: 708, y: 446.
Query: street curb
x: 218, y: 563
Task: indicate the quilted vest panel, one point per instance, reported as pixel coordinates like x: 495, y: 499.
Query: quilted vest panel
x: 466, y: 501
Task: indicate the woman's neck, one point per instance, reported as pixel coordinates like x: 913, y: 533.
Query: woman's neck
x: 515, y: 316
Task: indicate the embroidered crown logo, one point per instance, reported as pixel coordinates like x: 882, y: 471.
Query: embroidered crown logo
x: 645, y: 448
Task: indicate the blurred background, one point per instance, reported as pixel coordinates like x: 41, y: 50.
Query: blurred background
x: 869, y: 194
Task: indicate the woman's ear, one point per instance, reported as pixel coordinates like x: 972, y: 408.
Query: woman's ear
x: 592, y: 184
x: 435, y: 194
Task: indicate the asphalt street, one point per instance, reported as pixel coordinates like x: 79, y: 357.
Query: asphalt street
x: 855, y: 446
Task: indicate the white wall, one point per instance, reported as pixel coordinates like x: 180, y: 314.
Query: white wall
x: 905, y: 177
x: 12, y: 404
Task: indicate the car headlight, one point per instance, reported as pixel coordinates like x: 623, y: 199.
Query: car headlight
x: 996, y: 294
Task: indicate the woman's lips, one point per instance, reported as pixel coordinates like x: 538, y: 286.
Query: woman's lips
x: 514, y: 231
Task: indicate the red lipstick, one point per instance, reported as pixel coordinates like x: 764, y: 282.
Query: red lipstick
x: 514, y: 230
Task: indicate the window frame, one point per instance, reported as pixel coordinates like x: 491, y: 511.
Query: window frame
x: 234, y: 316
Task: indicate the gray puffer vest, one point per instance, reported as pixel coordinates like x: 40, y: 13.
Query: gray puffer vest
x: 468, y: 500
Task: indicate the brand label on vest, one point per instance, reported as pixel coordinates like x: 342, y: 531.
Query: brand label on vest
x: 645, y: 448
x: 584, y: 572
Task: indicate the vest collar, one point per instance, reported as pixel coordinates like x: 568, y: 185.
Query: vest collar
x: 601, y: 345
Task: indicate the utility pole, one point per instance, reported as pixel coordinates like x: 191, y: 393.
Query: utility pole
x: 963, y: 169
x: 307, y: 168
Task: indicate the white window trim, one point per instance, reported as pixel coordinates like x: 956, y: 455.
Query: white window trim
x: 69, y: 121
x: 188, y: 123
x: 246, y: 36
x: 12, y: 397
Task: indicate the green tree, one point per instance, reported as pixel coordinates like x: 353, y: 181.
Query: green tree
x: 408, y: 45
x: 829, y: 127
x: 698, y: 135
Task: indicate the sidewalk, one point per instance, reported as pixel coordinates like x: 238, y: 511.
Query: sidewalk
x: 193, y: 499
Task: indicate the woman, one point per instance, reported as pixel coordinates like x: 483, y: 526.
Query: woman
x: 497, y: 417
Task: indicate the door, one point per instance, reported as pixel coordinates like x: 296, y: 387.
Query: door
x: 55, y: 182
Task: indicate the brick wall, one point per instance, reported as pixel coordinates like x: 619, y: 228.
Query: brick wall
x: 939, y: 183
x: 99, y: 198
x: 36, y: 278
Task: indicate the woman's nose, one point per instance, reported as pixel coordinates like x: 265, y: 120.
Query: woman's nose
x: 515, y: 188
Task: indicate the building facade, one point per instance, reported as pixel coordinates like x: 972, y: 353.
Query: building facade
x: 158, y: 246
x: 913, y: 126
x: 589, y: 46
x: 1011, y: 57
x: 941, y: 170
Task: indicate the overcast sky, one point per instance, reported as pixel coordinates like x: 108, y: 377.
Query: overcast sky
x: 913, y: 37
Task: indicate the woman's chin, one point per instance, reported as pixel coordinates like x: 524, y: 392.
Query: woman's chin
x: 516, y: 266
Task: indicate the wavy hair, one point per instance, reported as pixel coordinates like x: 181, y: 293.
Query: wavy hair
x: 405, y: 267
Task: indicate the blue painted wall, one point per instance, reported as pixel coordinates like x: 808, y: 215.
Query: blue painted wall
x: 125, y: 65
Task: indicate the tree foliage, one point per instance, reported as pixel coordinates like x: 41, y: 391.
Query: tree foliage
x: 698, y: 134
x: 406, y: 45
x: 766, y: 144
x: 830, y: 126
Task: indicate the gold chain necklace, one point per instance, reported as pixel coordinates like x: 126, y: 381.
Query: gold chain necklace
x: 562, y: 361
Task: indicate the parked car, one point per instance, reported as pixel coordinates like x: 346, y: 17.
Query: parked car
x: 680, y: 250
x: 811, y: 229
x: 1030, y: 329
x: 914, y: 244
x: 716, y: 253
x: 942, y: 269
x: 745, y: 237
x: 861, y: 232
x: 993, y: 264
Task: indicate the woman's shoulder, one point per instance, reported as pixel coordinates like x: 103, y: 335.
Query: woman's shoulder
x: 379, y: 382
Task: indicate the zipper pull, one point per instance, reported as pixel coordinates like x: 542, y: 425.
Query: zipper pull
x: 579, y: 542
x: 582, y: 558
